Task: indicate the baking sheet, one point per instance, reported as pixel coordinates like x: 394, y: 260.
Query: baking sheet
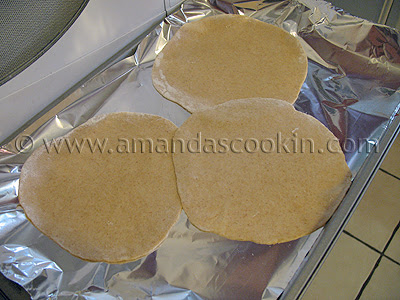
x: 351, y: 87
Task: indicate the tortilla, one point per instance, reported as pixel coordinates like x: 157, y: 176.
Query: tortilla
x: 114, y: 205
x: 278, y: 193
x: 226, y: 57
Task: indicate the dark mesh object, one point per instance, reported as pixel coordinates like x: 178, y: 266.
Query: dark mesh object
x: 29, y: 28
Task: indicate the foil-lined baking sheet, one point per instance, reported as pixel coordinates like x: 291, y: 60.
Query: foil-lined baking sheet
x: 352, y: 87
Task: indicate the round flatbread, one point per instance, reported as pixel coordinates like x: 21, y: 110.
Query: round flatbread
x: 226, y: 57
x: 106, y: 202
x: 260, y: 171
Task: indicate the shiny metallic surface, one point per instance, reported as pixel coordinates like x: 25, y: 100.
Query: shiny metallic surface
x: 352, y: 87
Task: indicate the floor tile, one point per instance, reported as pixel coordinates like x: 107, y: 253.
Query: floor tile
x: 385, y: 282
x: 393, y: 251
x: 392, y: 159
x: 344, y: 271
x: 378, y: 212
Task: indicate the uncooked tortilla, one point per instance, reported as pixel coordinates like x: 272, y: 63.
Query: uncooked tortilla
x: 227, y: 57
x: 114, y: 206
x: 276, y: 194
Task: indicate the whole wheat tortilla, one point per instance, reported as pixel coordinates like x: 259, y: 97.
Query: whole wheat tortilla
x: 227, y: 57
x: 267, y: 196
x: 112, y: 206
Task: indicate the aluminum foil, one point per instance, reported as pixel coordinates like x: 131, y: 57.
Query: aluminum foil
x: 352, y: 87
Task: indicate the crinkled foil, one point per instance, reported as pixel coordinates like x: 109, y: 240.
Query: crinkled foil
x: 351, y: 87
